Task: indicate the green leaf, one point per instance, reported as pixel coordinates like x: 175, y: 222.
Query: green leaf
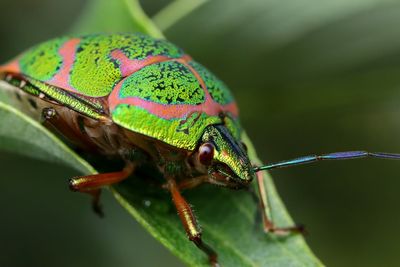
x: 22, y: 135
x: 227, y: 217
x: 228, y: 220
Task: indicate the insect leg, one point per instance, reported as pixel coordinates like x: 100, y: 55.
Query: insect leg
x: 266, y: 214
x: 189, y: 222
x: 92, y: 184
x: 330, y: 156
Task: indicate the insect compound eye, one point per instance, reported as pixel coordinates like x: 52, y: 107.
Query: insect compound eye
x: 206, y: 153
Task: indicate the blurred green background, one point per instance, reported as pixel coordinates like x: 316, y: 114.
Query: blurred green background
x: 309, y: 77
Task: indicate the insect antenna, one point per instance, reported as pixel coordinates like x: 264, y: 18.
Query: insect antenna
x: 331, y: 156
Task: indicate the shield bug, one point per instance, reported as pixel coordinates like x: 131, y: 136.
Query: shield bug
x: 145, y: 101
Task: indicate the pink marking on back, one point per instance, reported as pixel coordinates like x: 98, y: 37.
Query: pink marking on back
x: 11, y: 67
x: 171, y: 111
x: 184, y: 61
x: 174, y: 111
x: 68, y: 53
x: 129, y: 66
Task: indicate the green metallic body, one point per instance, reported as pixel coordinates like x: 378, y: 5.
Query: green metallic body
x: 146, y: 85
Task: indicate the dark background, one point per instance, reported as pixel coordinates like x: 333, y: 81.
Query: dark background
x: 309, y: 78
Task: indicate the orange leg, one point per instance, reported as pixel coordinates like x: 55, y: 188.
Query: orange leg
x: 189, y: 222
x: 92, y: 184
x: 269, y: 226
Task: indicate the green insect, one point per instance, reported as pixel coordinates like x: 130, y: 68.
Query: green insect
x: 145, y: 101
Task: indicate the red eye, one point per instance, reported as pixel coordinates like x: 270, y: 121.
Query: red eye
x: 206, y: 153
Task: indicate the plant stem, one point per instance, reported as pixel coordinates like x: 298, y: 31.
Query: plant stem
x: 174, y: 12
x: 137, y: 13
